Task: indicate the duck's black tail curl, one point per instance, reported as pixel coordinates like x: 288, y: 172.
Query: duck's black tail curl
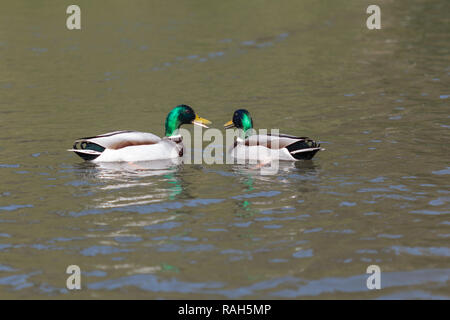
x: 304, y: 149
x: 88, y: 150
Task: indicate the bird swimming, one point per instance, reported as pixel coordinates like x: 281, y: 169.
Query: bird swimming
x: 133, y: 146
x: 268, y: 146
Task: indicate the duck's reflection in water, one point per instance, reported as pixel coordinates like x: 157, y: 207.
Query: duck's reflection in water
x: 245, y: 205
x: 138, y: 183
x: 272, y: 172
x: 285, y: 175
x: 126, y: 170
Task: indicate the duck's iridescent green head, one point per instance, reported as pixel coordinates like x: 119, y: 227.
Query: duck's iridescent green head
x: 241, y: 120
x: 182, y: 114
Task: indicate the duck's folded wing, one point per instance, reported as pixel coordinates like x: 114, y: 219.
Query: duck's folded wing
x: 273, y: 141
x: 298, y: 147
x: 116, y: 140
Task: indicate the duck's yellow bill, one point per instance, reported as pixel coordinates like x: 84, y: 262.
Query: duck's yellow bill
x: 202, y: 122
x: 229, y: 124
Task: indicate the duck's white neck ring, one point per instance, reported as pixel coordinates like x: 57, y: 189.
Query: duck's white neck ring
x: 174, y: 137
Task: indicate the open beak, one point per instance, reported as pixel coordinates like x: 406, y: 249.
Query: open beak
x: 229, y: 124
x: 202, y: 122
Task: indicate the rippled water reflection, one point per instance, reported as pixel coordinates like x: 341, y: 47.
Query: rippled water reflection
x: 379, y: 194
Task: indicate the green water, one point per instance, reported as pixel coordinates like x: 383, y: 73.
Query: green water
x: 377, y: 100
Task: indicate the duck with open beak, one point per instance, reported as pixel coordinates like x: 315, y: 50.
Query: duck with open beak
x: 229, y: 125
x: 199, y: 121
x: 130, y: 146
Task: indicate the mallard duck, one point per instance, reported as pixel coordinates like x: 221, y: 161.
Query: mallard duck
x: 133, y: 146
x: 268, y: 147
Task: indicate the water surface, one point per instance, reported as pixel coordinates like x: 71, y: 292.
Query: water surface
x: 377, y: 100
